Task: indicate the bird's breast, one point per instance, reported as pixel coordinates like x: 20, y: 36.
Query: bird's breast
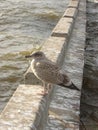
x: 35, y: 68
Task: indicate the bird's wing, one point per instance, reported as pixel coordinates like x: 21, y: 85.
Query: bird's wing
x: 47, y: 65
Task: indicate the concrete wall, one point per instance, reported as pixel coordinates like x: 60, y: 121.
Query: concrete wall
x: 27, y: 110
x: 64, y: 108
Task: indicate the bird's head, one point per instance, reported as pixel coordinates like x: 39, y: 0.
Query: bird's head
x: 36, y: 55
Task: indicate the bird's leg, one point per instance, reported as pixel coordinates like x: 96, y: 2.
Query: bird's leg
x: 45, y: 92
x: 49, y: 86
x: 45, y: 87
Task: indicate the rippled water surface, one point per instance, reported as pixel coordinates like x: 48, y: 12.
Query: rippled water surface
x: 24, y: 25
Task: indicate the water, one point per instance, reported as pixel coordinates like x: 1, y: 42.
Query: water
x: 24, y: 26
x: 89, y: 99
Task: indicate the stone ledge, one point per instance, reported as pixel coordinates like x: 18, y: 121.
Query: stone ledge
x: 21, y: 113
x: 57, y: 46
x: 65, y: 24
x: 63, y: 27
x: 65, y: 105
x: 25, y: 109
x: 71, y: 13
x: 73, y: 4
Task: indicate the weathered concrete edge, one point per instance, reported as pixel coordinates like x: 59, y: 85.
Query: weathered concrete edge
x: 59, y: 57
x: 66, y: 23
x: 61, y: 108
x: 74, y: 4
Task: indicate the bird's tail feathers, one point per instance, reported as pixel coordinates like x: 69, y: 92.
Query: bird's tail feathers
x: 67, y: 83
x: 71, y: 86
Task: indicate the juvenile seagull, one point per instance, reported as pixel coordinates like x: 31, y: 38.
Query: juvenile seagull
x: 48, y: 71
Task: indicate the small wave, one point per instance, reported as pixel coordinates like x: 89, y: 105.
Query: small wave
x: 11, y: 79
x: 49, y: 15
x: 9, y: 67
x: 29, y: 51
x: 8, y: 56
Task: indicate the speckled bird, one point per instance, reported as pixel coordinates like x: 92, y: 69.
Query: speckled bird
x: 49, y: 72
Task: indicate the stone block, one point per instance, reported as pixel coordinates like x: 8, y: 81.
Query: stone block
x: 74, y: 4
x: 26, y: 110
x: 55, y: 45
x: 63, y: 28
x: 71, y: 12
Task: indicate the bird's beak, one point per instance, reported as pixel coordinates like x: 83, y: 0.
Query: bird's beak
x: 28, y: 56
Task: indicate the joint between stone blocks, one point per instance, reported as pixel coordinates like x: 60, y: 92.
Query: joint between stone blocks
x: 71, y: 13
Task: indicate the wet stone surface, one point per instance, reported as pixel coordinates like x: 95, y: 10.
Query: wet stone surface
x: 25, y: 109
x: 65, y: 105
x: 62, y: 113
x: 89, y: 98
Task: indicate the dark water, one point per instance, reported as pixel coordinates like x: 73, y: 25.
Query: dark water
x: 89, y: 98
x: 24, y: 26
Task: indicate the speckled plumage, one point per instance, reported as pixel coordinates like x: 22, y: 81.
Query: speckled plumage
x: 48, y: 71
